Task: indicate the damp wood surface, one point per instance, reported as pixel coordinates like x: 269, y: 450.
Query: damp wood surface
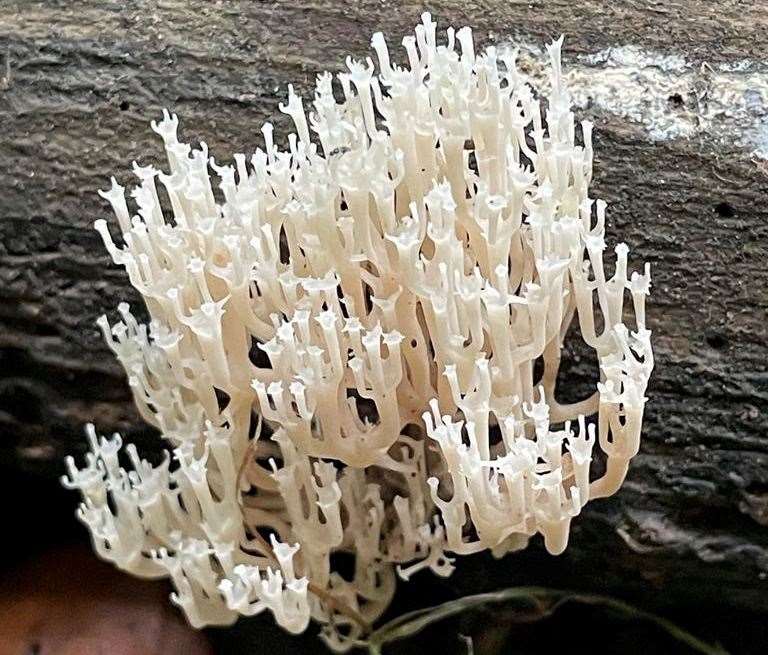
x: 79, y: 83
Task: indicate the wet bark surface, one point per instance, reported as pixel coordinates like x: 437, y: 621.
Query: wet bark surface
x: 79, y: 82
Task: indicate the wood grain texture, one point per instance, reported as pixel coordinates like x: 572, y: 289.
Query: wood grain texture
x: 79, y: 82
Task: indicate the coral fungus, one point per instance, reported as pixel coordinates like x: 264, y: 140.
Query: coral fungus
x: 343, y: 336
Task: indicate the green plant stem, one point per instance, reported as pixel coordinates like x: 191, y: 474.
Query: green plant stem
x: 545, y: 601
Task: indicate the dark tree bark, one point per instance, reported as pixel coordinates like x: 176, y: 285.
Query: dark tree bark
x: 79, y: 82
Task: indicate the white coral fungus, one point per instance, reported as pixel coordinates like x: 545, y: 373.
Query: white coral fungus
x: 378, y: 299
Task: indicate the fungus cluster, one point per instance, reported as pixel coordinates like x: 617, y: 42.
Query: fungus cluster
x: 343, y: 343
